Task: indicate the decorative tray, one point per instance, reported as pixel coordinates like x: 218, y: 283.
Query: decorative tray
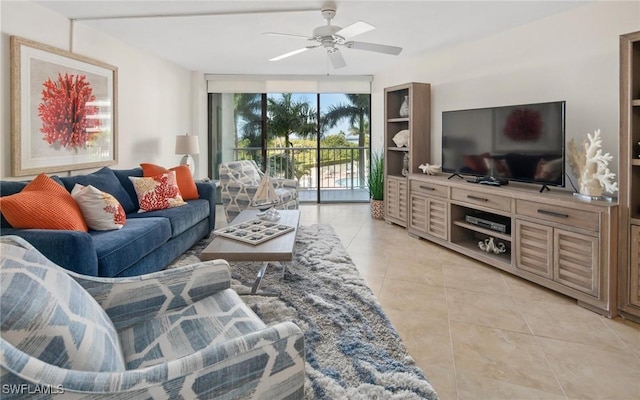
x: 255, y: 231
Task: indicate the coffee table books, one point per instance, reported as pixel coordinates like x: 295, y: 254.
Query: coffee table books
x: 254, y: 231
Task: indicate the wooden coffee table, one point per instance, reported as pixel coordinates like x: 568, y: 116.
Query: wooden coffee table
x: 278, y: 249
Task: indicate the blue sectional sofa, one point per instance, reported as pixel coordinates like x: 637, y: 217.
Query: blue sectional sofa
x: 148, y: 242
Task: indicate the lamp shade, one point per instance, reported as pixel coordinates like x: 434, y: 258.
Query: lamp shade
x: 187, y: 144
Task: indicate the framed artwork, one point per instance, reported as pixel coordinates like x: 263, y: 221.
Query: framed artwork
x: 63, y: 110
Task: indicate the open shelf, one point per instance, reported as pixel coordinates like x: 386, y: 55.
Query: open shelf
x: 495, y: 234
x: 473, y: 246
x: 404, y: 149
x: 468, y: 235
x: 635, y: 162
x: 402, y: 119
x: 635, y: 102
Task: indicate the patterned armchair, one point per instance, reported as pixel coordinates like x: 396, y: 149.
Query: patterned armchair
x: 179, y: 333
x: 239, y: 182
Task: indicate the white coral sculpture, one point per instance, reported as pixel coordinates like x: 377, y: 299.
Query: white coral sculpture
x: 590, y: 166
x: 430, y: 169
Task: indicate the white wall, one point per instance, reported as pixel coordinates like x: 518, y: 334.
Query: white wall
x: 157, y: 100
x: 572, y: 56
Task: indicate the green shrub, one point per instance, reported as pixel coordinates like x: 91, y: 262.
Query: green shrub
x: 375, y: 181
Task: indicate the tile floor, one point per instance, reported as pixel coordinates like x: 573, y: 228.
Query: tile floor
x: 480, y: 333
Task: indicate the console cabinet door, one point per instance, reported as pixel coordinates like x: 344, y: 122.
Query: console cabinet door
x: 576, y: 260
x: 418, y: 213
x: 403, y: 209
x: 429, y: 216
x: 391, y: 200
x: 437, y: 218
x: 534, y: 248
x: 396, y: 200
x: 569, y: 258
x: 634, y: 266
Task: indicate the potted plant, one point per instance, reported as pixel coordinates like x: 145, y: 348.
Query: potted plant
x: 375, y: 182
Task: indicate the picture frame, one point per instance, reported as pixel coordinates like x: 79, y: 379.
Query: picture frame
x: 63, y: 110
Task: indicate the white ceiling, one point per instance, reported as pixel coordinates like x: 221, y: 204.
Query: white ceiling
x: 231, y: 41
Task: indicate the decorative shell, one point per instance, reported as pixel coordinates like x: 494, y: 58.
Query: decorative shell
x: 430, y: 169
x: 401, y: 139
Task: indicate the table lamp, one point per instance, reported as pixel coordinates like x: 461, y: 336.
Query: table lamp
x: 187, y: 144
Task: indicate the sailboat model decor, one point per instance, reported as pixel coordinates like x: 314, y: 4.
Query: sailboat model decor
x: 266, y: 199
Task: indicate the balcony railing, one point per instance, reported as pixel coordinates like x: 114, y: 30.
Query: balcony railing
x: 339, y: 168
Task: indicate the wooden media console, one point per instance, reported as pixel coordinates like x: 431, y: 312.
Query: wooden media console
x: 554, y: 239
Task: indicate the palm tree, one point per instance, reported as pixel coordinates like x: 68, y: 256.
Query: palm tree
x: 248, y: 118
x: 357, y: 112
x: 287, y: 116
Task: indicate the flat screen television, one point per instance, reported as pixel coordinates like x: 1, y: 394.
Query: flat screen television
x: 519, y: 142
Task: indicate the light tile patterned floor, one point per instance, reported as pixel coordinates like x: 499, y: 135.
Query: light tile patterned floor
x: 480, y: 333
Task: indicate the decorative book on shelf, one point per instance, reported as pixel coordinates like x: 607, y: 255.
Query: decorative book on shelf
x: 255, y: 231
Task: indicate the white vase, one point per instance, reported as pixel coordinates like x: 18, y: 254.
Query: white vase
x: 404, y: 107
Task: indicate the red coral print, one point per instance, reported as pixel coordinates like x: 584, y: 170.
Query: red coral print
x: 158, y: 198
x: 119, y: 217
x: 523, y: 124
x: 64, y: 111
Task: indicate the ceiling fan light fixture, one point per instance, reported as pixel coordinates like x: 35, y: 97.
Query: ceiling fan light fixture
x: 335, y: 56
x: 330, y: 36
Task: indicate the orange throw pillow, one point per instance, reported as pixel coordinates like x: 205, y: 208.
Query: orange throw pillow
x: 43, y: 204
x: 186, y: 184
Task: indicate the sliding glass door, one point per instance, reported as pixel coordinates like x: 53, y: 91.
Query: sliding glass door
x: 322, y: 140
x: 344, y: 147
x: 292, y: 128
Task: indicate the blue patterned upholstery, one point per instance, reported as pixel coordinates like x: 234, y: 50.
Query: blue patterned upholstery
x: 180, y: 333
x: 239, y: 182
x: 46, y: 314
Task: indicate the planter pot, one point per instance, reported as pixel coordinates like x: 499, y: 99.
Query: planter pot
x: 377, y: 209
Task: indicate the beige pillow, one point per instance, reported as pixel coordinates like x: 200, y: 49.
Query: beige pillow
x: 100, y: 210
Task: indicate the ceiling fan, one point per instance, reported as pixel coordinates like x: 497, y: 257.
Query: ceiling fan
x: 331, y: 36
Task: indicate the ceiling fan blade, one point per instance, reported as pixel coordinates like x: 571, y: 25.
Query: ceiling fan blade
x: 380, y: 48
x: 285, y: 34
x: 289, y: 54
x: 336, y: 58
x: 357, y: 28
